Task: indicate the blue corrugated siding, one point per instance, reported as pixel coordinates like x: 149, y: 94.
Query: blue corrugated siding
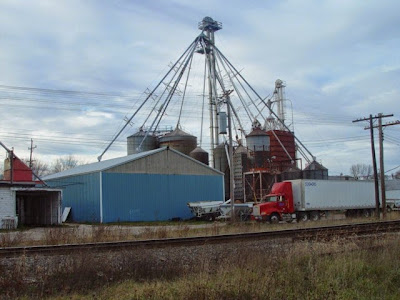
x: 150, y: 197
x: 82, y: 193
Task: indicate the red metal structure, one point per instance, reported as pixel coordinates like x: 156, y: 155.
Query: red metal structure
x: 283, y: 157
x: 17, y: 171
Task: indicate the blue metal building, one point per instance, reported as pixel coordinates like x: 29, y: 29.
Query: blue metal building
x: 147, y: 186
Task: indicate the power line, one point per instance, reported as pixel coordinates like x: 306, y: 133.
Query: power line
x: 393, y: 169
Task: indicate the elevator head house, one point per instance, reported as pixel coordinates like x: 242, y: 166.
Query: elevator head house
x: 148, y: 186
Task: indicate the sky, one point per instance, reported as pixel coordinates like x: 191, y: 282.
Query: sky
x: 72, y: 71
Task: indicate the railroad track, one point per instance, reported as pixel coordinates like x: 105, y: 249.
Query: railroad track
x: 316, y: 233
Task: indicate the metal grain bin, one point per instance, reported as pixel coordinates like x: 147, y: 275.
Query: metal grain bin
x: 315, y: 170
x: 220, y: 158
x: 291, y: 173
x: 134, y: 141
x: 200, y: 154
x: 258, y: 140
x: 179, y: 140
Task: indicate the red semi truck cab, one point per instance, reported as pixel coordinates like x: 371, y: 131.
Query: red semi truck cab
x: 278, y: 205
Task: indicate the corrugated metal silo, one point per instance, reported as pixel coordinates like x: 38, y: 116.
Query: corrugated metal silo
x: 179, y: 140
x: 281, y: 160
x: 221, y: 164
x: 258, y: 144
x: 291, y: 173
x: 220, y: 158
x: 134, y: 141
x: 200, y: 154
x: 315, y: 171
x: 258, y: 140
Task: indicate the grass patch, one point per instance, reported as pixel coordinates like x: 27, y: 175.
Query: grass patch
x: 296, y: 271
x: 299, y: 273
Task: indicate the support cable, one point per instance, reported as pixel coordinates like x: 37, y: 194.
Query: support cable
x: 233, y: 109
x: 165, y: 101
x: 158, y: 101
x: 272, y: 112
x: 144, y: 102
x: 245, y: 106
x: 171, y: 93
x: 234, y: 71
x: 184, y: 91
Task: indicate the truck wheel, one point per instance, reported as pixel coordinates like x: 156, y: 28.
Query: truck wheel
x: 303, y: 217
x: 274, y: 219
x: 315, y: 216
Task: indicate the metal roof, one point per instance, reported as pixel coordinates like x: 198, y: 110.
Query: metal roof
x: 101, y: 165
x: 111, y: 163
x: 314, y: 166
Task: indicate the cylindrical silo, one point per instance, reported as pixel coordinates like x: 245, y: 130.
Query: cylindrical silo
x: 315, y: 170
x: 179, y: 140
x: 221, y: 164
x: 200, y: 155
x: 258, y: 143
x: 257, y: 140
x: 134, y: 141
x: 291, y: 173
x: 220, y: 158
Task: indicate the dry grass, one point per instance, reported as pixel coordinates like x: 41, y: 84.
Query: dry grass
x: 108, y: 233
x: 11, y: 239
x: 298, y: 272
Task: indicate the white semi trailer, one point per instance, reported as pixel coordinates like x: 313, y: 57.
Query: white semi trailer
x: 305, y: 199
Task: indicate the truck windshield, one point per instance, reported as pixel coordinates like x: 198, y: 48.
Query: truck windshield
x: 272, y: 199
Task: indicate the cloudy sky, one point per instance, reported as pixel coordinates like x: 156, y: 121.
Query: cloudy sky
x: 72, y: 71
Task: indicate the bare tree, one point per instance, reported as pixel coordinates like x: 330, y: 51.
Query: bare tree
x: 40, y: 167
x: 359, y: 171
x: 65, y: 163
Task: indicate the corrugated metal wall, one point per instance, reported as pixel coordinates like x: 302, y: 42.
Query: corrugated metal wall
x: 82, y: 193
x: 150, y: 197
x: 165, y: 162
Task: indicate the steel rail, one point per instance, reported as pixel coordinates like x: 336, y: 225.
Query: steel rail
x: 315, y: 233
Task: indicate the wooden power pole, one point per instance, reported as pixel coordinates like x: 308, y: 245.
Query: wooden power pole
x: 31, y: 152
x: 381, y: 160
x: 382, y: 172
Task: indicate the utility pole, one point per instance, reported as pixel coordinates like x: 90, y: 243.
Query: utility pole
x: 371, y: 128
x: 382, y: 167
x: 31, y: 151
